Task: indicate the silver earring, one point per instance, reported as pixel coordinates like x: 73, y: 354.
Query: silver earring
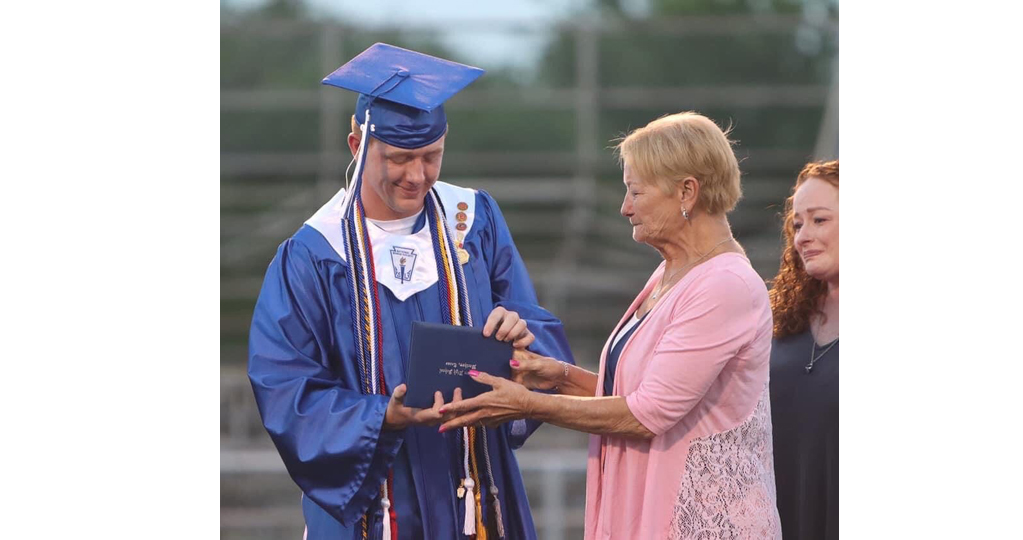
x: 685, y: 214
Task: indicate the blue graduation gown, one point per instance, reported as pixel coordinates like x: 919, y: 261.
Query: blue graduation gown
x: 329, y: 434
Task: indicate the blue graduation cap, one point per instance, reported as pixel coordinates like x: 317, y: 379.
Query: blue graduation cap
x: 403, y: 91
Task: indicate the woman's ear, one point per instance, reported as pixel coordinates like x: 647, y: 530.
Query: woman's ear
x: 689, y: 190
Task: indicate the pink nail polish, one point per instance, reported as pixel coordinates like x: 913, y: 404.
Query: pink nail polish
x: 441, y: 430
x: 442, y: 411
x: 473, y: 373
x: 515, y: 363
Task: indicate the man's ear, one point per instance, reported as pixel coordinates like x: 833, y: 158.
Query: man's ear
x: 353, y: 143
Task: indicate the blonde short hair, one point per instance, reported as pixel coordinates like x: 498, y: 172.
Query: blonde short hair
x: 669, y: 149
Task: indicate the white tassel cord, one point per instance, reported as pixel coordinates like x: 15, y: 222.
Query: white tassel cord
x: 470, y: 508
x: 347, y: 201
x: 386, y: 504
x: 469, y: 525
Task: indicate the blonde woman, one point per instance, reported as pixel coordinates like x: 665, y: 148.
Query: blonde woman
x: 679, y: 409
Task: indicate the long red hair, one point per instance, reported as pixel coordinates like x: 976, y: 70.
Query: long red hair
x: 795, y: 296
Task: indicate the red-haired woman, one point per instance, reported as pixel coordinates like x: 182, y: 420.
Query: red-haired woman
x: 804, y: 358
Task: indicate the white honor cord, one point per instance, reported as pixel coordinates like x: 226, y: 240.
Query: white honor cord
x: 469, y: 526
x: 385, y: 503
x: 370, y: 281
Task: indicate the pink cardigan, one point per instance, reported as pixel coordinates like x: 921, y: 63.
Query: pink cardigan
x: 694, y: 373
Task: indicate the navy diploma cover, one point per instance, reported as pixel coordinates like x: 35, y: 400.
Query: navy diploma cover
x: 440, y: 357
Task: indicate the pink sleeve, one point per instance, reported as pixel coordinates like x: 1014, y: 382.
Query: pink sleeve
x: 708, y: 328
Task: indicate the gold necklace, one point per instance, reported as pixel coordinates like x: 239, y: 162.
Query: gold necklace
x: 660, y: 287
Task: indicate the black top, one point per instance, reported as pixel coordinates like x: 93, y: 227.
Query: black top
x: 804, y: 414
x: 616, y: 352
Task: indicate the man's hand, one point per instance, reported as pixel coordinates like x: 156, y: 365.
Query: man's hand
x: 398, y: 416
x: 509, y: 327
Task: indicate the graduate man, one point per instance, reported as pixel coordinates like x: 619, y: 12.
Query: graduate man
x: 328, y: 347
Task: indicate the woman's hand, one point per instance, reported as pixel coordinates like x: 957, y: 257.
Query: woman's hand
x: 536, y: 372
x: 509, y: 327
x: 507, y: 401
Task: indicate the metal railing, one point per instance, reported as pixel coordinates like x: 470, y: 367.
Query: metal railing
x: 548, y: 472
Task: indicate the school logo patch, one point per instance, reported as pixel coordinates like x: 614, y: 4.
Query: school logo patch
x: 403, y: 260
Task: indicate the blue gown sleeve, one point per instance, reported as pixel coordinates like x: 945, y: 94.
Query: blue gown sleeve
x: 513, y: 290
x: 327, y: 432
